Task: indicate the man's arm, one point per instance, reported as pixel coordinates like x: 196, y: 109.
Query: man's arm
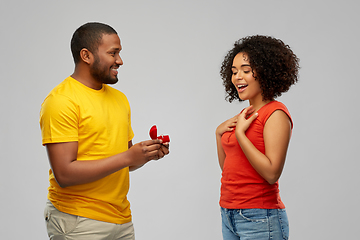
x: 68, y: 171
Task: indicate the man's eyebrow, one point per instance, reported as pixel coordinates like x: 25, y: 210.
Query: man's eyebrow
x: 115, y: 49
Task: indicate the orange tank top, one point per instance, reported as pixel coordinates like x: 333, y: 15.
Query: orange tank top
x: 241, y: 186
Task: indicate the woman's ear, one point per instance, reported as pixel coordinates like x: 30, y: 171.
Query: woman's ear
x: 86, y: 56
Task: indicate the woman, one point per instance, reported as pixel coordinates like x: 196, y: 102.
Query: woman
x: 252, y: 146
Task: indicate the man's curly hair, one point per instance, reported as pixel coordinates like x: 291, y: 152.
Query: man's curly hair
x: 273, y: 64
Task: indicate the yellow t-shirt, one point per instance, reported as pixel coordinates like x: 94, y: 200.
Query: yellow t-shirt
x: 99, y: 120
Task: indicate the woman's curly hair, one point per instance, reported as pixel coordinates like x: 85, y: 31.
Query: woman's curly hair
x: 275, y: 65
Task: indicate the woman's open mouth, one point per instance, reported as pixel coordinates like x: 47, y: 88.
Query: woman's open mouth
x: 241, y: 87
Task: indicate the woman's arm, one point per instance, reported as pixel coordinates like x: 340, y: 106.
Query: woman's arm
x: 277, y: 132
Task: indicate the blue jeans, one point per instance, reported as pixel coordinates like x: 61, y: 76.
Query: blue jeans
x: 259, y: 224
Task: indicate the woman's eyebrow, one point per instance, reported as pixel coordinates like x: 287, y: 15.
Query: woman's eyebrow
x: 245, y: 65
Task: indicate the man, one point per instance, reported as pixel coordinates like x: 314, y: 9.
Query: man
x: 86, y: 128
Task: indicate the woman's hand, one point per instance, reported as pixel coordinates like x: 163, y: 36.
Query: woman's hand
x: 226, y: 126
x: 244, y: 119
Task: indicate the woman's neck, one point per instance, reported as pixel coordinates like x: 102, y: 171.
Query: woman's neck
x: 258, y: 103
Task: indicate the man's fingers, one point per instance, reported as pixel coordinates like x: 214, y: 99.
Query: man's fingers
x: 151, y: 142
x: 154, y: 149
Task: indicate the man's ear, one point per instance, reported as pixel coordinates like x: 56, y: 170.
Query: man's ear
x: 86, y: 56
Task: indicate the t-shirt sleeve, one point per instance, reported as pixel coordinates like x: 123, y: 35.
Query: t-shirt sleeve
x: 277, y: 106
x: 58, y: 120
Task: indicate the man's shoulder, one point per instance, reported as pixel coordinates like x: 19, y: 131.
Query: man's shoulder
x: 115, y: 92
x: 62, y: 92
x: 112, y: 89
x: 62, y: 88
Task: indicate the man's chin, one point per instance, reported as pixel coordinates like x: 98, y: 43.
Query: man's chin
x: 110, y: 80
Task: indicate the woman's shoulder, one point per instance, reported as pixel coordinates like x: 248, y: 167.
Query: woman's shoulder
x: 266, y: 111
x: 273, y: 106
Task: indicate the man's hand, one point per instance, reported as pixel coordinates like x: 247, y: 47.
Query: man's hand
x: 164, y: 150
x: 145, y: 151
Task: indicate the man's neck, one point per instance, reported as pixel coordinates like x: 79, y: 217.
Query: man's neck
x: 87, y: 80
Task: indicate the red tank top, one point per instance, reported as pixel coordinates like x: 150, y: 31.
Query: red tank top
x: 241, y: 186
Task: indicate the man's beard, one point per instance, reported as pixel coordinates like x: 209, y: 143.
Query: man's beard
x: 102, y: 74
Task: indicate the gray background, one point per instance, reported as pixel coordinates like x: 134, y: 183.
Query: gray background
x: 172, y: 51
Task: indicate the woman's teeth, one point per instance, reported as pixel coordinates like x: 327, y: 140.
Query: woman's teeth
x: 241, y: 86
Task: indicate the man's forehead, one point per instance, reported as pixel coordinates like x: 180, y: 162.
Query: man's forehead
x: 110, y: 41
